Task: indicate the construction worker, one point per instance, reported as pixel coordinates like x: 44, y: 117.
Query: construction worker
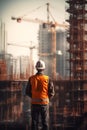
x: 40, y: 88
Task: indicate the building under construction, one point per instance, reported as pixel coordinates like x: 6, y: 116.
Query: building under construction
x: 57, y: 51
x: 78, y: 39
x: 68, y: 108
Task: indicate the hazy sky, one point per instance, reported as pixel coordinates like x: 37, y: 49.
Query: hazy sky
x: 25, y: 32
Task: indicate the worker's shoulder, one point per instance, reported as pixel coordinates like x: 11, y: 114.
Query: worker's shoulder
x: 46, y: 76
x: 42, y: 76
x: 31, y: 76
x: 39, y: 75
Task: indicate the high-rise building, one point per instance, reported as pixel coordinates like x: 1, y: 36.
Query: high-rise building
x: 44, y: 46
x: 45, y: 50
x: 61, y: 58
x: 3, y: 36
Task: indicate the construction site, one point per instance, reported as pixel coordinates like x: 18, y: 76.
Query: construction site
x: 68, y: 108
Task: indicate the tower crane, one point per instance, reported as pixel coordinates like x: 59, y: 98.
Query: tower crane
x: 31, y: 54
x: 52, y: 26
x: 39, y: 21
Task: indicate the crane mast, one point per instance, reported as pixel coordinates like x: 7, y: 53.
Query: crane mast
x: 47, y: 12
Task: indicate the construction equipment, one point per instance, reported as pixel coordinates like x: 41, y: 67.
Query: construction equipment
x: 14, y: 44
x: 52, y: 26
x: 31, y: 53
x: 36, y: 20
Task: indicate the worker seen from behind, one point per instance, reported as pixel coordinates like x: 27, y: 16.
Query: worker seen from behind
x: 40, y: 89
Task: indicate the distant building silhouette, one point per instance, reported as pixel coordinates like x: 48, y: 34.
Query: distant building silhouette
x: 3, y: 38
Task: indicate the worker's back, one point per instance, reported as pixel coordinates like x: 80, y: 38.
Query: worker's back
x: 39, y: 89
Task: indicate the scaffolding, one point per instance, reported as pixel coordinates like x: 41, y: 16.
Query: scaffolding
x: 10, y: 101
x: 68, y: 108
x: 14, y: 68
x: 75, y: 105
x: 77, y: 38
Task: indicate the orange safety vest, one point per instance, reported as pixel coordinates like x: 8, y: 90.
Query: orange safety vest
x: 39, y: 89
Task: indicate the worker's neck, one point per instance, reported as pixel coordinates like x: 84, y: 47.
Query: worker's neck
x: 40, y: 72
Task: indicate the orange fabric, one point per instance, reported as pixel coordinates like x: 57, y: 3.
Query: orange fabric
x: 39, y: 89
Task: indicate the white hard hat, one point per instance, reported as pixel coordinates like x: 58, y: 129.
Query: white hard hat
x: 40, y: 65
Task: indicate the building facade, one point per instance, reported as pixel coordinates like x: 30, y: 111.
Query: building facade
x: 3, y: 38
x: 45, y: 50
